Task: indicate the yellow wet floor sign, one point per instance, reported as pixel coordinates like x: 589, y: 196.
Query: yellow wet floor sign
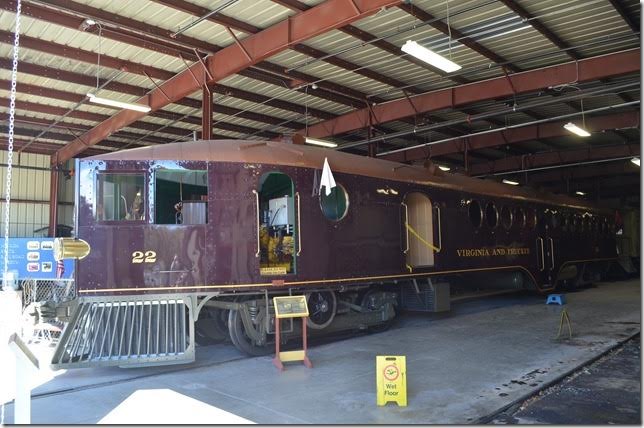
x: 391, y: 380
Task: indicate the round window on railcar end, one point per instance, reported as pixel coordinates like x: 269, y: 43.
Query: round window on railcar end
x: 491, y: 215
x: 506, y: 217
x: 519, y: 218
x: 475, y: 213
x: 335, y: 205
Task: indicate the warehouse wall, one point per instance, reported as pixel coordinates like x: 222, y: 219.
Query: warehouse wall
x: 30, y: 196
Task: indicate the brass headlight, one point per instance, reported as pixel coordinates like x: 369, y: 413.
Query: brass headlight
x: 70, y: 248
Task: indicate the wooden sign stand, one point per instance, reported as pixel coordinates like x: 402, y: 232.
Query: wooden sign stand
x: 290, y: 307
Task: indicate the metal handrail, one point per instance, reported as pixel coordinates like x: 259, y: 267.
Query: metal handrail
x: 406, y: 228
x: 299, y: 226
x: 543, y: 259
x: 440, y: 236
x: 257, y: 204
x: 552, y: 253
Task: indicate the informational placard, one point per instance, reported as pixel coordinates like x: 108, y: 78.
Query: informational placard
x: 33, y: 258
x: 290, y: 306
x: 391, y: 380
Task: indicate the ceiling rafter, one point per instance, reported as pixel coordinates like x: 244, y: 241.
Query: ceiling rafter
x: 359, y: 34
x: 595, y: 68
x: 541, y: 28
x: 67, y: 19
x: 617, y: 5
x: 245, y: 53
x: 44, y: 148
x: 561, y: 157
x: 517, y: 135
x: 82, y: 79
x: 439, y: 25
x: 301, y: 48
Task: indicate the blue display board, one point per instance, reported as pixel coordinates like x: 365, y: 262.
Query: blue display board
x: 33, y: 258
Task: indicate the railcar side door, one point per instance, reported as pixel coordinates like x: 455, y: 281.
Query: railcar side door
x: 418, y: 226
x: 278, y: 206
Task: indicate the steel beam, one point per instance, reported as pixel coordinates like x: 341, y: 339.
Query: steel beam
x: 232, y: 59
x: 629, y: 119
x: 563, y: 157
x: 603, y: 66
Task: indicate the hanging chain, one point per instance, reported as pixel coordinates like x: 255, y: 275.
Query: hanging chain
x: 12, y: 114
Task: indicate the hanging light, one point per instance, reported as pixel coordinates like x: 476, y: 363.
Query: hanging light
x: 444, y: 168
x: 429, y: 56
x: 636, y: 161
x: 108, y: 102
x: 576, y: 130
x: 580, y: 193
x: 511, y: 182
x: 318, y: 142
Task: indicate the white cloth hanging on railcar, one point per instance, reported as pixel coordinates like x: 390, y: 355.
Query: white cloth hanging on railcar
x: 327, y: 179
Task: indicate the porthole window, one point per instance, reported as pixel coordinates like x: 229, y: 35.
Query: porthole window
x: 531, y: 218
x: 555, y: 220
x: 491, y: 215
x: 335, y: 205
x: 544, y: 219
x: 506, y: 218
x: 519, y: 217
x: 575, y: 223
x: 475, y: 213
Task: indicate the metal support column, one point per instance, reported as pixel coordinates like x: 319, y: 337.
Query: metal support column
x: 206, y: 113
x: 53, y: 200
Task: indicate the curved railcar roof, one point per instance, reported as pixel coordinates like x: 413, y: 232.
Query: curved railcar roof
x: 281, y: 153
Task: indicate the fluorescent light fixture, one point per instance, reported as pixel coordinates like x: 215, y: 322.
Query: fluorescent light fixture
x: 429, y: 56
x: 576, y: 130
x: 106, y: 101
x: 444, y: 168
x: 513, y: 183
x: 89, y: 21
x: 636, y: 161
x: 322, y: 143
x: 580, y: 193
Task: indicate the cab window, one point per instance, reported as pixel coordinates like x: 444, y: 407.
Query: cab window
x: 121, y: 197
x: 180, y: 196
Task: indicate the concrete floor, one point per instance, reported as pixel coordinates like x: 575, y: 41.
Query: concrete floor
x: 605, y: 392
x: 484, y: 355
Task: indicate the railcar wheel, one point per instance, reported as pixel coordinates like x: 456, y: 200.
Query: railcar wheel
x: 242, y: 340
x: 375, y: 300
x: 323, y: 306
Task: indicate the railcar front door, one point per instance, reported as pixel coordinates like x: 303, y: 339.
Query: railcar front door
x: 418, y: 230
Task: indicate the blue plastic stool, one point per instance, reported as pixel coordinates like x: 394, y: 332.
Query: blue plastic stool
x: 556, y: 299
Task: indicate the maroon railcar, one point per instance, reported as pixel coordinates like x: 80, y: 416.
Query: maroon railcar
x: 211, y: 230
